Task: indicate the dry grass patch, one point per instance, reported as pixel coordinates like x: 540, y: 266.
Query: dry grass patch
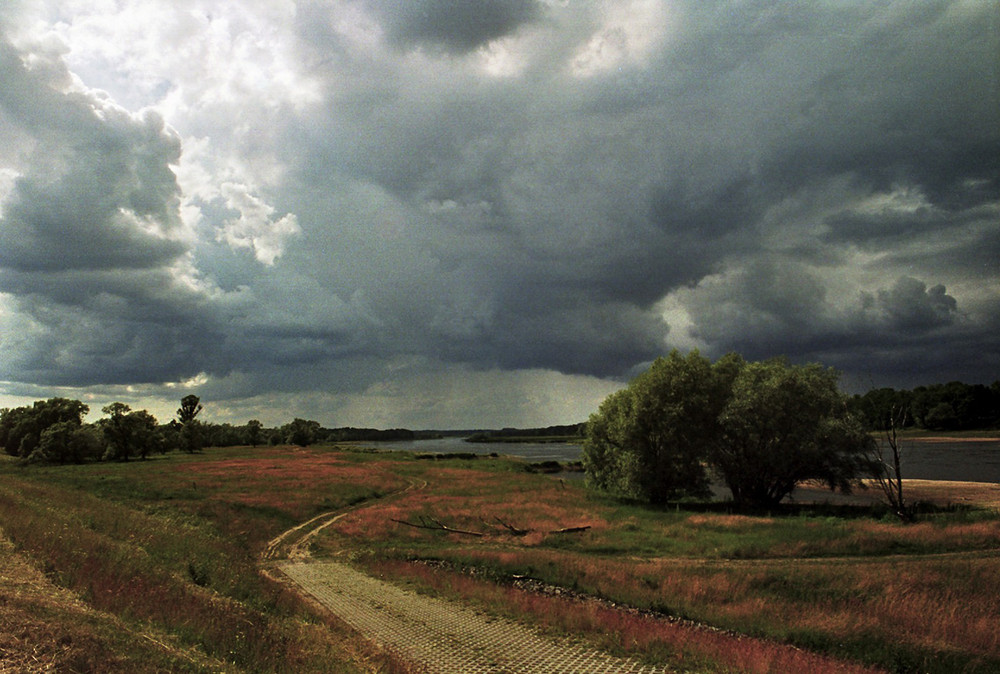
x: 44, y: 627
x: 942, y: 492
x: 684, y: 645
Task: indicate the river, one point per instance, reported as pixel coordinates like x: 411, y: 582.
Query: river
x: 925, y: 459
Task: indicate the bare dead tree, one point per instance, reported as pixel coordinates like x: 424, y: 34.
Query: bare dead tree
x: 887, y: 468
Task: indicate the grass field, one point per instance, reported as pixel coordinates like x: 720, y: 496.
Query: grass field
x: 155, y: 565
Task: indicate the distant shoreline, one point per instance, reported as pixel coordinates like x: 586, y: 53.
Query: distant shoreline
x: 948, y: 438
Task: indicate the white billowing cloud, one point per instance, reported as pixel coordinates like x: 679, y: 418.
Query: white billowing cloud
x: 627, y: 35
x: 188, y: 57
x: 255, y: 227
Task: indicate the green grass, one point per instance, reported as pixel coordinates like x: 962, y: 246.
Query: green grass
x: 172, y: 545
x: 849, y: 582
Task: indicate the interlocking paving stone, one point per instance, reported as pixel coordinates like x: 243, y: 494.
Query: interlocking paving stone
x: 444, y: 636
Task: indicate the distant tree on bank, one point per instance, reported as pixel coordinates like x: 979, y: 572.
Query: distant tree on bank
x: 254, y: 432
x: 939, y: 407
x: 301, y: 432
x: 759, y: 427
x: 129, y: 433
x: 190, y: 432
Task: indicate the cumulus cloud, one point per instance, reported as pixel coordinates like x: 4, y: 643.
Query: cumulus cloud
x: 909, y: 304
x: 255, y: 227
x: 96, y: 189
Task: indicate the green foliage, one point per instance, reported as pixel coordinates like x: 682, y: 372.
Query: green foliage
x: 940, y: 407
x: 761, y: 427
x: 784, y: 424
x: 189, y: 437
x: 67, y: 442
x: 21, y: 428
x: 301, y: 432
x: 129, y: 433
x: 648, y: 440
x: 189, y: 409
x: 254, y: 432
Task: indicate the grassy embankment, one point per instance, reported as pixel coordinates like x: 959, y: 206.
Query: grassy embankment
x: 152, y: 566
x: 849, y: 582
x: 162, y: 556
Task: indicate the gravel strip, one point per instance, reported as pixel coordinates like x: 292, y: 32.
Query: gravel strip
x: 444, y: 636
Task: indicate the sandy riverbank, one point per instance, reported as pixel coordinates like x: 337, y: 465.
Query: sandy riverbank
x: 940, y: 492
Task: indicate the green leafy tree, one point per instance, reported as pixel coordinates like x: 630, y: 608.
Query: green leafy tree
x: 784, y: 424
x: 21, y: 428
x: 171, y: 434
x: 255, y: 432
x: 649, y: 440
x: 191, y: 433
x: 301, y: 432
x: 190, y: 408
x: 760, y: 427
x: 67, y: 442
x: 129, y: 433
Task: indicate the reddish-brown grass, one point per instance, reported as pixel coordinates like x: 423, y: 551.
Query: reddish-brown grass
x: 626, y: 632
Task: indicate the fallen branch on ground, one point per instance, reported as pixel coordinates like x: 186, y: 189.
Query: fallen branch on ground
x: 510, y: 527
x: 435, y: 525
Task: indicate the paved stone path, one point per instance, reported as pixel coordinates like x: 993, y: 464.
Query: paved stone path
x: 441, y: 635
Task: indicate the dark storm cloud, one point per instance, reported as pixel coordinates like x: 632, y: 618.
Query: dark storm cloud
x: 456, y: 25
x: 98, y: 192
x: 578, y: 203
x: 367, y: 188
x: 910, y: 305
x: 84, y: 328
x: 892, y: 336
x: 89, y: 235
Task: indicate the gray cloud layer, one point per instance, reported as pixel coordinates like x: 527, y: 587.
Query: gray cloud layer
x: 343, y: 189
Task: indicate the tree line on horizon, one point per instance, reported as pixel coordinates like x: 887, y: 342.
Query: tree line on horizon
x: 939, y: 407
x: 54, y: 431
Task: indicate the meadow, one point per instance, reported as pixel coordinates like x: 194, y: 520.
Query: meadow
x: 156, y: 565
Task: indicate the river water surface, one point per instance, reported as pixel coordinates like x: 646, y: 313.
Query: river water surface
x: 924, y: 459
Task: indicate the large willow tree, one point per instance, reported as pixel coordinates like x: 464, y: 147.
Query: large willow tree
x: 760, y: 428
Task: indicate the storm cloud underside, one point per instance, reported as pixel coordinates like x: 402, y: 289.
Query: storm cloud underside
x: 368, y: 212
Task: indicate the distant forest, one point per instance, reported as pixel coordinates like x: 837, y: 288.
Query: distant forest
x: 941, y: 407
x: 53, y: 431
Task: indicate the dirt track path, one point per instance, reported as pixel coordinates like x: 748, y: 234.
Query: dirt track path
x: 440, y: 635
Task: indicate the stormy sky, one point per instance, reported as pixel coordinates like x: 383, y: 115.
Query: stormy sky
x: 455, y: 214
